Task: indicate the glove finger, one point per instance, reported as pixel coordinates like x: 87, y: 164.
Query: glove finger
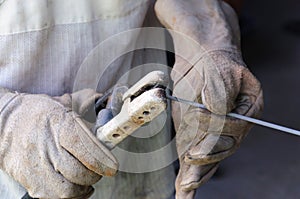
x: 217, y: 137
x: 250, y: 100
x: 71, y: 169
x: 87, y: 194
x: 53, y: 185
x: 213, y: 146
x: 80, y: 101
x: 65, y: 100
x: 80, y: 192
x: 180, y: 192
x: 83, y: 100
x: 185, y: 194
x: 190, y: 177
x: 222, y: 76
x: 211, y: 149
x: 70, y: 191
x: 83, y: 145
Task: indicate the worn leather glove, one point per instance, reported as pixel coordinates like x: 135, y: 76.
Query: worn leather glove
x: 47, y: 148
x: 209, y: 70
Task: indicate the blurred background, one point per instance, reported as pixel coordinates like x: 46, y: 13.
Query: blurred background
x: 268, y: 163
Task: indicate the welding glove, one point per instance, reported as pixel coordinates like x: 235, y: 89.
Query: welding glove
x: 46, y: 147
x: 208, y: 69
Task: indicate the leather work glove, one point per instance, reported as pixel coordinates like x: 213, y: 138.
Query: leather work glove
x: 47, y: 148
x: 208, y: 69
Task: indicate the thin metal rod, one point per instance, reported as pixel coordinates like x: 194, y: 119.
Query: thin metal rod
x: 264, y: 123
x: 241, y: 117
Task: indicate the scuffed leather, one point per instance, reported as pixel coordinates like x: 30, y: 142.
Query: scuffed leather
x: 47, y: 148
x: 208, y: 69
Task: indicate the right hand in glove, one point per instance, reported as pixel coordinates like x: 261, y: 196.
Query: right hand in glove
x: 47, y: 148
x: 208, y: 69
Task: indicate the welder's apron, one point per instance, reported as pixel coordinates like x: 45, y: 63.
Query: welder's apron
x: 55, y: 46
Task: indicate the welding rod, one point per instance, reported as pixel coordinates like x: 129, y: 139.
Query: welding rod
x: 238, y: 116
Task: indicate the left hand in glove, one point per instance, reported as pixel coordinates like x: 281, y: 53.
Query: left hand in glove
x: 209, y: 70
x: 46, y: 146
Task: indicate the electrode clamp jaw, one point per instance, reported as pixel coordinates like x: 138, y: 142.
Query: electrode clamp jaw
x: 143, y: 102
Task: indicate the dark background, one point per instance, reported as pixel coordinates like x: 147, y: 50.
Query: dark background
x: 268, y: 163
